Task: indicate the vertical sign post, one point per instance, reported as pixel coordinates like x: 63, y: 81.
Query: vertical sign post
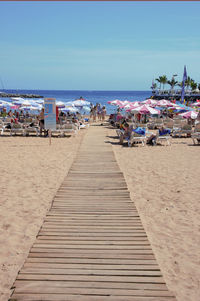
x: 50, y: 115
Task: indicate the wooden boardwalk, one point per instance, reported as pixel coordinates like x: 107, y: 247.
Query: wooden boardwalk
x: 92, y: 245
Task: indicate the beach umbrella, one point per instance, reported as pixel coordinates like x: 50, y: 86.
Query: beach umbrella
x: 23, y: 102
x: 4, y: 104
x: 196, y: 104
x: 40, y: 101
x: 145, y: 109
x: 132, y: 105
x: 164, y: 103
x: 124, y: 104
x: 31, y: 108
x: 86, y: 109
x: 60, y: 104
x: 69, y: 104
x: 190, y: 114
x: 150, y: 101
x: 17, y: 98
x: 80, y: 103
x: 14, y: 107
x: 184, y: 107
x: 115, y: 102
x: 70, y: 109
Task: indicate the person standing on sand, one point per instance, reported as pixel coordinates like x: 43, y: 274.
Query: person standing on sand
x: 94, y: 113
x: 41, y: 121
x: 103, y: 113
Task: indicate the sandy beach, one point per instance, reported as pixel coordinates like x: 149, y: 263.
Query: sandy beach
x: 164, y: 184
x: 31, y: 172
x: 163, y: 181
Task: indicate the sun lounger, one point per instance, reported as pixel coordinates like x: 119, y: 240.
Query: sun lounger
x: 164, y: 135
x: 31, y: 130
x: 17, y: 128
x: 196, y: 134
x: 137, y: 136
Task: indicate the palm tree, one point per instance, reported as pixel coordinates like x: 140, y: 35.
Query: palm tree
x: 180, y: 84
x: 193, y: 85
x: 159, y: 80
x: 188, y: 82
x: 199, y: 86
x: 162, y: 80
x: 172, y: 83
x: 153, y: 86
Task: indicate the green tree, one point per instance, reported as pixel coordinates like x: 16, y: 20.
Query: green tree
x: 159, y: 80
x: 172, y: 83
x: 162, y: 80
x: 193, y: 85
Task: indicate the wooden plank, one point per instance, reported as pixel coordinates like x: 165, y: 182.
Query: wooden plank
x: 64, y: 260
x: 99, y: 255
x: 86, y: 266
x: 64, y: 297
x: 94, y: 272
x: 104, y: 278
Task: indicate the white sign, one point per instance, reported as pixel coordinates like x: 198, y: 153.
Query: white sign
x: 50, y: 114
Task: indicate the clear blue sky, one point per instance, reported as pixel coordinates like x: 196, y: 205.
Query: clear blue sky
x: 97, y: 45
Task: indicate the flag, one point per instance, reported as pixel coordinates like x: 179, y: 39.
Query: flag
x: 183, y: 85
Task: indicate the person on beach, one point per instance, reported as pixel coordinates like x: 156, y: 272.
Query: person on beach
x: 41, y: 121
x: 103, y: 113
x: 94, y: 113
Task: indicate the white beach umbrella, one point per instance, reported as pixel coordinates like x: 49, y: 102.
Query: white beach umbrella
x: 70, y: 109
x: 17, y: 98
x: 190, y: 114
x: 80, y: 103
x: 116, y: 102
x: 60, y: 104
x: 145, y: 109
x: 40, y: 101
x: 150, y: 101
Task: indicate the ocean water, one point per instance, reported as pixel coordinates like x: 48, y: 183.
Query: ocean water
x: 94, y: 97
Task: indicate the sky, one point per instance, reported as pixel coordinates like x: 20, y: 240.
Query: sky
x: 97, y: 45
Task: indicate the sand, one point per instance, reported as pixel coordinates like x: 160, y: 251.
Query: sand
x: 164, y: 184
x: 163, y: 181
x: 31, y: 172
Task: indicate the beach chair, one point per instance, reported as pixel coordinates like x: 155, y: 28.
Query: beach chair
x: 177, y: 126
x: 17, y: 128
x: 68, y: 129
x: 186, y: 129
x: 137, y: 136
x: 196, y: 134
x: 1, y: 127
x: 164, y: 136
x: 31, y: 130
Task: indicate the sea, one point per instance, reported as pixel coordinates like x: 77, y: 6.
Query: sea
x: 93, y: 97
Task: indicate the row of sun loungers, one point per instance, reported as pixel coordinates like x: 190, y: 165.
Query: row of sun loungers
x: 31, y: 126
x: 173, y: 131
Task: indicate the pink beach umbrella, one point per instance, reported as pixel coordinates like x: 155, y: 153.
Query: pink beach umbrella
x: 164, y: 103
x: 196, y: 104
x: 150, y: 101
x: 115, y: 102
x: 15, y: 107
x: 145, y: 109
x: 125, y: 103
x: 189, y: 114
x: 132, y: 105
